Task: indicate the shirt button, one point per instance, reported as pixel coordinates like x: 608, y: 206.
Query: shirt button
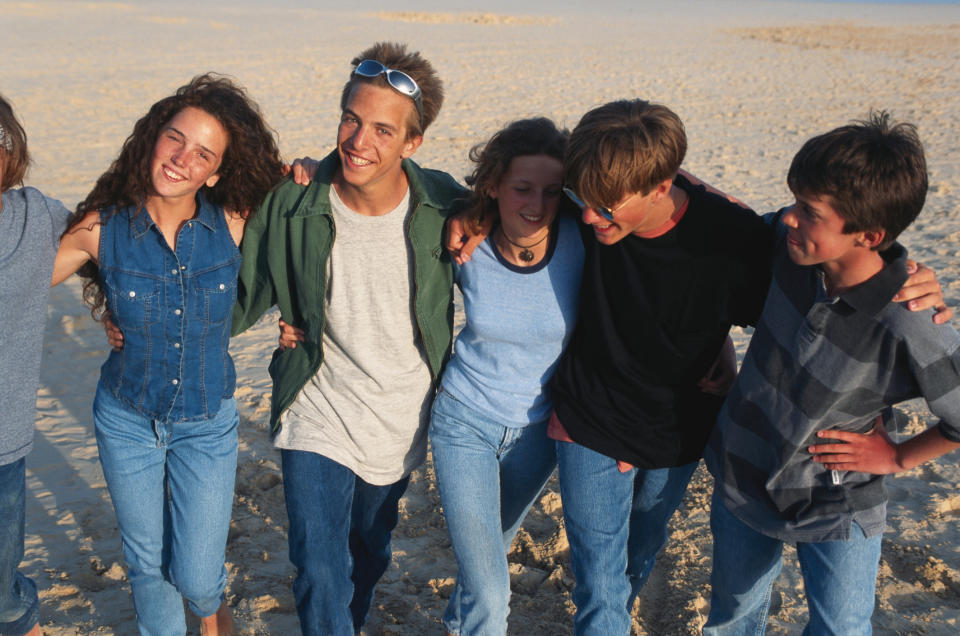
x: 222, y: 286
x: 174, y: 271
x: 183, y: 267
x: 176, y: 382
x: 132, y: 294
x: 176, y: 345
x: 176, y: 311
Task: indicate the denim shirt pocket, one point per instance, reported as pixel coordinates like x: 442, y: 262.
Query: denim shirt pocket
x: 216, y: 293
x: 134, y: 301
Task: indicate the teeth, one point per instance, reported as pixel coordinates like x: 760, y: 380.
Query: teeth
x: 357, y: 161
x: 532, y: 219
x: 173, y: 176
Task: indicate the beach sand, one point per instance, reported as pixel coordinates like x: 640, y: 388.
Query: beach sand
x: 751, y: 80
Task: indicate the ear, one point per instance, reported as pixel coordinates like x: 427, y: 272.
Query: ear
x: 662, y: 189
x: 212, y: 180
x: 871, y: 238
x: 411, y: 145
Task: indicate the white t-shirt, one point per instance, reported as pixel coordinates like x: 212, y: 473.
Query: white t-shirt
x: 367, y: 408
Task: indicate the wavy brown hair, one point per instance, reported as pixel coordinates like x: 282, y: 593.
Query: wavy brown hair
x: 521, y: 138
x: 13, y: 147
x: 249, y: 168
x: 621, y: 148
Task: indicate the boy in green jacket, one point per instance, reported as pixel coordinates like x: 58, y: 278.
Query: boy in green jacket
x: 354, y: 259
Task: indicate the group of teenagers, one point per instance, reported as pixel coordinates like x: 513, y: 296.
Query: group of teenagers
x: 599, y: 284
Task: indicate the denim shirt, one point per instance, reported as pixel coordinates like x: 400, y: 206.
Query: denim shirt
x: 174, y: 309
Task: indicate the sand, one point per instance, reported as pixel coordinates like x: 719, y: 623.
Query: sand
x: 751, y: 80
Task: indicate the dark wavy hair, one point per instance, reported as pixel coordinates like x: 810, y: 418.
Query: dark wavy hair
x: 249, y: 169
x: 521, y: 138
x: 13, y: 150
x: 873, y: 170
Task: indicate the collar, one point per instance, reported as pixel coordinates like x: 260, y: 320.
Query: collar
x: 872, y: 295
x: 316, y: 199
x: 206, y: 215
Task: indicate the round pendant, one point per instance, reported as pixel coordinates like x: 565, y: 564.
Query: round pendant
x: 526, y: 256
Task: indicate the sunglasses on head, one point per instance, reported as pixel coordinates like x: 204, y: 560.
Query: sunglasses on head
x: 606, y: 213
x: 398, y: 80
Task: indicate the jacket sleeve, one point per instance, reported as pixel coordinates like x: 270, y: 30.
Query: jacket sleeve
x: 255, y: 290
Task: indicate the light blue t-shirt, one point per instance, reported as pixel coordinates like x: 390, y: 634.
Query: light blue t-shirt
x: 518, y: 321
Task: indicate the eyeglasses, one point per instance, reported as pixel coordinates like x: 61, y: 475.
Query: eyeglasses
x: 398, y: 80
x: 606, y: 213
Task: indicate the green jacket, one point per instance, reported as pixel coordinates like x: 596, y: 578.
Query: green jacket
x: 285, y: 249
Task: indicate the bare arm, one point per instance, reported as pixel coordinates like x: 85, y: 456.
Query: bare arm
x: 697, y: 181
x: 78, y: 246
x: 876, y: 453
x: 723, y: 372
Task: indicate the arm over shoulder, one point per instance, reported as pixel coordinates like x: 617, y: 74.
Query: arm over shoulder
x: 79, y: 244
x: 255, y: 293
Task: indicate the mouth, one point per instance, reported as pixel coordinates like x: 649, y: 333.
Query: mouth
x: 170, y: 175
x: 531, y: 218
x: 602, y: 228
x: 354, y: 160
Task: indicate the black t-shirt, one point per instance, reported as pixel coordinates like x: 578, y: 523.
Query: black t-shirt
x: 654, y: 313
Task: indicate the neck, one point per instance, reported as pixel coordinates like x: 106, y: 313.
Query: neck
x: 171, y: 210
x: 372, y: 199
x: 513, y: 250
x: 662, y: 210
x: 842, y: 276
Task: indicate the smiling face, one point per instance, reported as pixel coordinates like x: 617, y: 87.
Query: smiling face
x: 187, y: 154
x: 528, y: 195
x: 372, y: 138
x: 633, y: 214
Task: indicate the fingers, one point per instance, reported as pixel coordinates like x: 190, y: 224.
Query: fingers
x: 303, y: 170
x: 943, y: 314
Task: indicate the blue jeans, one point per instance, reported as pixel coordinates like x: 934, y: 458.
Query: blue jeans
x: 839, y: 577
x: 616, y: 523
x: 18, y: 594
x: 488, y: 475
x: 172, y: 489
x: 339, y: 540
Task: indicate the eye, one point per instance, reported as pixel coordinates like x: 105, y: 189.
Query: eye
x: 384, y: 131
x: 521, y: 189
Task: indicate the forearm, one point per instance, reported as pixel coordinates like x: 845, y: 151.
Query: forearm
x: 928, y: 445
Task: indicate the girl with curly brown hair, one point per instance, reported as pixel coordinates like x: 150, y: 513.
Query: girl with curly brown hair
x: 156, y: 241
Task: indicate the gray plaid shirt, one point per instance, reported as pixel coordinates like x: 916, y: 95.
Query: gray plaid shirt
x: 817, y: 363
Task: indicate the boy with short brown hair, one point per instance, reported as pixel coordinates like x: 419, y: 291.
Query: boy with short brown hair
x: 830, y: 353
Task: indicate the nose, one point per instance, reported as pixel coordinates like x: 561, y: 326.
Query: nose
x: 538, y: 203
x: 359, y: 136
x: 590, y: 217
x: 789, y: 217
